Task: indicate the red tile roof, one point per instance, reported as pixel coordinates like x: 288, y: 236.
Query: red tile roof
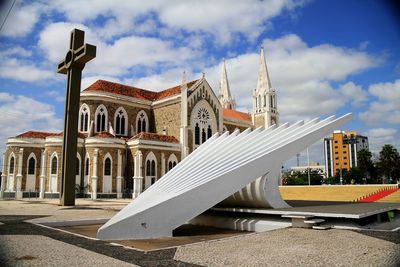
x: 43, y: 135
x: 36, y: 134
x: 155, y: 137
x: 103, y: 135
x: 237, y: 115
x: 120, y: 89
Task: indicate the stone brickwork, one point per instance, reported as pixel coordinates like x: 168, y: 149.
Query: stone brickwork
x: 232, y: 127
x: 169, y: 118
x: 112, y: 108
x: 259, y: 120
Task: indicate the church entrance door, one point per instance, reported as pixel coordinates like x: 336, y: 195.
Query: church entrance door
x: 107, y: 182
x: 53, y: 183
x: 10, y: 182
x: 30, y: 182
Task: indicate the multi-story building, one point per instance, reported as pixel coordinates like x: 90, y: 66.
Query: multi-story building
x: 130, y: 137
x: 341, y: 150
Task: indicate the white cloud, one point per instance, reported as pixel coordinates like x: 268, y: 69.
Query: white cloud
x: 386, y: 107
x: 221, y: 19
x: 21, y: 113
x: 302, y: 76
x: 54, y: 39
x: 16, y: 63
x: 56, y: 95
x: 12, y: 68
x: 117, y: 57
x: 355, y: 93
x: 21, y: 19
x: 377, y: 137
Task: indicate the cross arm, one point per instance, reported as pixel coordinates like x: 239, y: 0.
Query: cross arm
x: 77, y: 58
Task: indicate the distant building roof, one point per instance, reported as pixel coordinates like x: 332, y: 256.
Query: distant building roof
x: 120, y: 89
x: 155, y: 137
x: 237, y: 115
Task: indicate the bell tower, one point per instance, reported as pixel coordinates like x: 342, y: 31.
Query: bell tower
x: 265, y: 108
x: 225, y: 97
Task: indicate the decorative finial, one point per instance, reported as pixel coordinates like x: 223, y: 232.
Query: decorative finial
x: 184, y: 78
x: 204, y: 74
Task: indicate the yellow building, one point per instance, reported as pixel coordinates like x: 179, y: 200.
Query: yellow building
x: 341, y: 150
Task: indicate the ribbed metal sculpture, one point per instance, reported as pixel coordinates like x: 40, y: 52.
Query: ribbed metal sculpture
x: 216, y: 170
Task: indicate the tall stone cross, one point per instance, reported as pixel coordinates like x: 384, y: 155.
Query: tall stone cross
x: 73, y: 64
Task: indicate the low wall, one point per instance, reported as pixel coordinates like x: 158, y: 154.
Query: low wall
x: 330, y: 192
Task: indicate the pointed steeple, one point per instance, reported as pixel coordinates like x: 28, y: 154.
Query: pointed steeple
x: 265, y: 109
x: 225, y: 96
x: 263, y: 82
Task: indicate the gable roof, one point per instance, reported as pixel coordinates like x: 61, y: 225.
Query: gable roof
x: 121, y: 89
x: 155, y: 137
x: 237, y: 115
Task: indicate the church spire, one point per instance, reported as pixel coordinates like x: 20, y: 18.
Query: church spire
x: 265, y: 109
x: 263, y: 82
x: 225, y: 96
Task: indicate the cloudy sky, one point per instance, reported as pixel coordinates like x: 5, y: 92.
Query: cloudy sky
x: 324, y: 57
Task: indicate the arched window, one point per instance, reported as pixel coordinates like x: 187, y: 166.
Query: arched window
x: 101, y: 118
x: 31, y: 165
x: 265, y: 100
x: 78, y: 166
x: 148, y: 163
x: 203, y: 136
x: 87, y: 166
x: 121, y: 121
x: 209, y: 132
x: 172, y: 161
x: 12, y: 165
x: 151, y: 169
x: 259, y: 101
x: 197, y: 134
x: 271, y: 103
x: 107, y: 166
x: 54, y: 165
x: 84, y: 118
x: 141, y: 122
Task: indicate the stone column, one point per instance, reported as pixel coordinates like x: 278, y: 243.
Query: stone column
x: 3, y: 177
x: 162, y: 164
x: 18, y: 193
x: 94, y: 176
x: 138, y: 178
x: 119, y: 175
x: 43, y: 174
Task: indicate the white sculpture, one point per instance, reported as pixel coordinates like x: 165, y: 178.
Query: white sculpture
x: 217, y: 169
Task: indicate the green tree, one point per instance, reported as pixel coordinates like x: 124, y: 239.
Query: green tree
x: 365, y: 164
x: 301, y: 178
x: 389, y: 161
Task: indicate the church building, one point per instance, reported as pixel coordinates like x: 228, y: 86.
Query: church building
x: 130, y: 137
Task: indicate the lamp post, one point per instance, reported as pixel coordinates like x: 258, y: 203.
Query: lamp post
x: 341, y: 176
x: 308, y: 168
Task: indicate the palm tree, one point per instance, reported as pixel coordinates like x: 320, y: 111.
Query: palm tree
x: 389, y: 160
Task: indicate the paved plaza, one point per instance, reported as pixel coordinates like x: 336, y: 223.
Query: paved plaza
x: 25, y: 243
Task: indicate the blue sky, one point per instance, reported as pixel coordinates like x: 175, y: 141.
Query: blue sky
x: 324, y: 57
